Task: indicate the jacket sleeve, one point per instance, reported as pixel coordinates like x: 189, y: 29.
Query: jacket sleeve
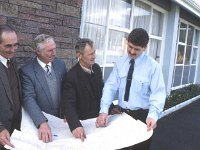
x: 68, y: 99
x: 29, y: 98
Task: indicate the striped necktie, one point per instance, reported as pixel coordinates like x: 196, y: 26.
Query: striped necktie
x: 48, y: 70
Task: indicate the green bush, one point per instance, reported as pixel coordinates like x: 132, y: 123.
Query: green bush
x: 180, y: 95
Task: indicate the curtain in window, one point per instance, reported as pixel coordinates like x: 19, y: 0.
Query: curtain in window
x: 154, y: 49
x: 95, y: 25
x: 116, y: 45
x: 142, y: 15
x: 96, y: 11
x: 120, y: 13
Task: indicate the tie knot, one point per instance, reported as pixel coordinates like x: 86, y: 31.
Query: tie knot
x: 132, y: 61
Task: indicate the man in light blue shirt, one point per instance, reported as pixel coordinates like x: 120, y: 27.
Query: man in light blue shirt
x: 147, y: 89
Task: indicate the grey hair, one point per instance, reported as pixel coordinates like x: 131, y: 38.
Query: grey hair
x: 80, y: 45
x: 40, y: 40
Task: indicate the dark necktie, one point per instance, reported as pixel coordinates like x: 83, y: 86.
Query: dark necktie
x: 48, y: 70
x: 8, y: 63
x: 129, y: 79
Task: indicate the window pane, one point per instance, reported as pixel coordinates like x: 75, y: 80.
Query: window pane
x: 185, y: 75
x: 194, y: 56
x: 116, y: 45
x: 190, y: 35
x: 120, y: 13
x: 187, y: 55
x: 142, y: 15
x: 154, y: 49
x: 192, y: 73
x: 177, y: 76
x: 180, y: 55
x: 96, y: 11
x: 183, y: 29
x: 97, y: 34
x: 196, y: 39
x: 157, y: 23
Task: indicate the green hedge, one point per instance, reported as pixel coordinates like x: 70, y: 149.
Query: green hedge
x: 180, y: 95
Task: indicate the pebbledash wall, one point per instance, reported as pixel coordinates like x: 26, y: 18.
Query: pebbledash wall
x: 59, y: 18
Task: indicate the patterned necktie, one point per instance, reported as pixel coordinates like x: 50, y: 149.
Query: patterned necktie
x: 8, y: 63
x: 129, y: 79
x: 48, y: 70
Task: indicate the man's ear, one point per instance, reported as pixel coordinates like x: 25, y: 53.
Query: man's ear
x: 37, y: 51
x: 78, y: 55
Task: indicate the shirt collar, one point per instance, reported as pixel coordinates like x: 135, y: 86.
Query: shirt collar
x: 43, y: 64
x: 4, y: 61
x: 139, y: 59
x: 86, y: 69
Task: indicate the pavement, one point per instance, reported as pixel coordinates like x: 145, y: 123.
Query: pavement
x: 179, y: 130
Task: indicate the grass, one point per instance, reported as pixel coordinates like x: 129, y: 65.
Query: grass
x: 180, y: 95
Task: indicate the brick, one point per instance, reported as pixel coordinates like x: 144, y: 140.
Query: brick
x: 44, y: 2
x: 46, y: 31
x: 60, y: 1
x: 26, y: 10
x: 39, y: 25
x: 38, y: 1
x: 5, y: 1
x: 33, y: 18
x: 3, y: 20
x: 25, y: 38
x: 49, y: 8
x: 68, y: 10
x: 63, y: 40
x: 25, y: 29
x: 71, y: 22
x: 26, y: 4
x: 55, y: 21
x: 76, y: 3
x: 67, y: 45
x: 61, y: 53
x: 8, y: 10
x: 49, y: 14
x: 15, y: 21
x: 66, y: 32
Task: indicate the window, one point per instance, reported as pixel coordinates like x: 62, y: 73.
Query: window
x: 108, y: 23
x: 186, y: 55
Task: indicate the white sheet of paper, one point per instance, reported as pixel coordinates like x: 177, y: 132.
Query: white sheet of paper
x: 122, y: 131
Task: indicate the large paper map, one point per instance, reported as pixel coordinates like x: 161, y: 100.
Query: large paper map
x: 122, y: 131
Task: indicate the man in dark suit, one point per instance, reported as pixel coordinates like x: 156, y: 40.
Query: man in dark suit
x: 82, y: 88
x: 10, y: 105
x: 41, y: 82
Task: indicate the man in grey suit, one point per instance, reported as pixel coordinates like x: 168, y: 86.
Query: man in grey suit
x: 41, y: 82
x: 10, y: 105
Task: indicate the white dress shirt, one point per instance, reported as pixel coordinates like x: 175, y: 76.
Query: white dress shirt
x: 147, y: 89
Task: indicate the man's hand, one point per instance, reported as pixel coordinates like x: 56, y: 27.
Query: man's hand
x: 44, y: 132
x: 102, y: 120
x: 79, y: 133
x: 151, y: 124
x: 5, y: 138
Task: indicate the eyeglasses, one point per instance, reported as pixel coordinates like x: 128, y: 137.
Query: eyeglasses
x: 11, y: 45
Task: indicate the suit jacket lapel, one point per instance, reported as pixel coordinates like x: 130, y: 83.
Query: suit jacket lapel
x: 39, y: 73
x: 57, y: 74
x: 84, y: 80
x: 5, y: 82
x: 18, y: 79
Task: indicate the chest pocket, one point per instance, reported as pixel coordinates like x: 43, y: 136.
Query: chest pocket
x: 142, y: 86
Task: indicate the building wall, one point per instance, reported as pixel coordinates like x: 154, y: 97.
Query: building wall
x: 59, y: 18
